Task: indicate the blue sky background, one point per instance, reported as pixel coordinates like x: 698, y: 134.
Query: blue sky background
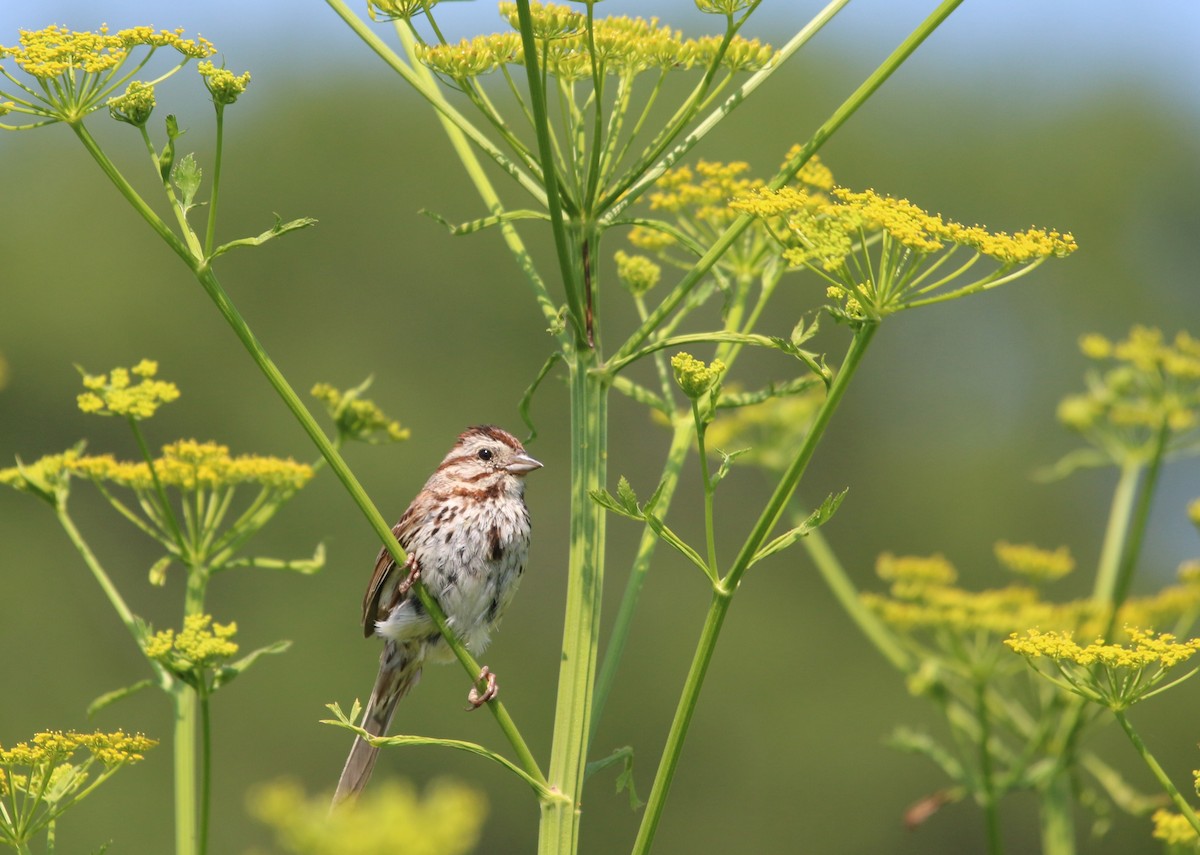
x: 1035, y: 48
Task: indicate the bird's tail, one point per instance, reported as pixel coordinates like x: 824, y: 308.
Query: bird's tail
x: 399, y: 671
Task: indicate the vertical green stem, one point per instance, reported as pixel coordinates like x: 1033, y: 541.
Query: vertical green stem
x: 210, y: 230
x: 205, y: 770
x: 1058, y: 826
x: 991, y: 811
x: 558, y: 831
x: 1116, y: 532
x: 187, y: 839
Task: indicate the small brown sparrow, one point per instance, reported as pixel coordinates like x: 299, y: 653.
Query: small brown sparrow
x: 467, y: 535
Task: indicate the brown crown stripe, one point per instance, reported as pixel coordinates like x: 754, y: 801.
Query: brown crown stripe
x: 491, y: 432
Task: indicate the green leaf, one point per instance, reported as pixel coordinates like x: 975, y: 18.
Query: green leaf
x: 730, y: 400
x: 677, y: 543
x: 344, y: 721
x: 627, y: 497
x: 484, y: 222
x: 227, y: 673
x: 1082, y: 458
x: 280, y: 228
x: 726, y: 459
x: 802, y: 333
x: 303, y: 566
x: 606, y: 500
x: 186, y: 178
x: 817, y: 518
x: 116, y: 695
x: 624, y: 756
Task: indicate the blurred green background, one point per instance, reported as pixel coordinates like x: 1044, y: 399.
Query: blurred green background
x: 1083, y: 117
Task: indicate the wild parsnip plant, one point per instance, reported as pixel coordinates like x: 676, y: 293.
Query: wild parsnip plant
x: 578, y: 120
x: 43, y: 778
x: 202, y: 505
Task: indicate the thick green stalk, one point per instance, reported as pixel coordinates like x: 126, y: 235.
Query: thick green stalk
x: 558, y: 832
x: 987, y: 793
x: 187, y: 837
x: 723, y: 592
x: 1116, y: 532
x: 1057, y: 824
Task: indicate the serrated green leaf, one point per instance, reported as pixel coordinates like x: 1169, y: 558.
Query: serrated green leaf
x: 726, y: 459
x: 817, y: 518
x: 186, y: 176
x: 627, y: 497
x: 802, y: 333
x: 606, y: 500
x: 116, y: 695
x: 227, y: 673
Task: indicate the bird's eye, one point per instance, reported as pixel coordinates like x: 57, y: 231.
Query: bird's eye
x: 485, y: 454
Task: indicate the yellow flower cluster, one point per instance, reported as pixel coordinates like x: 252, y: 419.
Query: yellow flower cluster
x: 693, y: 376
x: 1147, y: 649
x: 1038, y: 565
x: 198, y: 646
x: 53, y: 747
x: 1152, y: 381
x: 358, y: 418
x: 192, y: 465
x: 622, y: 46
x: 637, y: 272
x: 447, y: 819
x: 223, y: 84
x: 55, y: 51
x: 1174, y: 829
x: 114, y: 394
x: 135, y: 106
x: 43, y: 475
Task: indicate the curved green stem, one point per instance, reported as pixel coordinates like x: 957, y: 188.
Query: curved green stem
x: 1181, y: 804
x: 723, y: 592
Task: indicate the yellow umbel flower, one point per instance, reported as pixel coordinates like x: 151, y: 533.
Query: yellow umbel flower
x: 446, y: 819
x: 637, y: 272
x: 115, y: 394
x: 358, y: 418
x: 1147, y: 384
x: 135, y: 106
x: 199, y: 646
x: 76, y: 72
x: 46, y: 477
x: 192, y: 465
x: 881, y: 254
x: 223, y: 84
x: 1174, y: 829
x: 693, y: 376
x: 1037, y: 565
x: 1110, y: 674
x: 397, y: 10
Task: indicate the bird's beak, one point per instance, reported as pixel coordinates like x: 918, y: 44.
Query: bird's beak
x: 522, y: 464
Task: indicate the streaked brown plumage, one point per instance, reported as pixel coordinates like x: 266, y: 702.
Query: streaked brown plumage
x: 467, y: 534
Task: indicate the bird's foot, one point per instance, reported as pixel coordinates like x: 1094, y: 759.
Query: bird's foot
x: 476, y: 698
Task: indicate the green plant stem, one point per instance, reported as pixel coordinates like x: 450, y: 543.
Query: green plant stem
x: 1057, y: 824
x: 723, y: 592
x: 1163, y: 779
x: 681, y: 443
x: 1116, y: 533
x: 1137, y: 531
x: 986, y: 780
x: 89, y: 558
x: 211, y: 229
x: 558, y: 831
x: 187, y: 835
x: 580, y: 315
x: 205, y: 770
